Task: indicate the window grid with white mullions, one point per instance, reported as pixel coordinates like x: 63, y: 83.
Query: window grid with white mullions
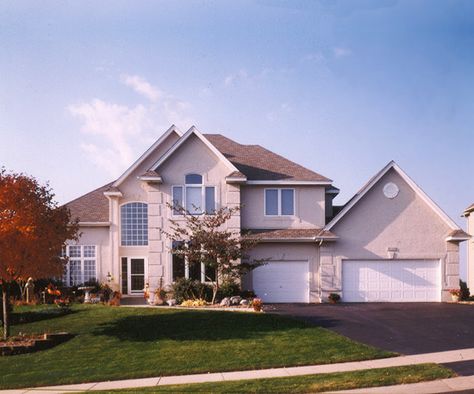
x: 134, y: 224
x: 82, y: 264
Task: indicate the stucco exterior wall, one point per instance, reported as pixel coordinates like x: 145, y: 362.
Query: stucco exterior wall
x: 192, y: 157
x: 290, y: 252
x: 405, y: 224
x: 309, y: 208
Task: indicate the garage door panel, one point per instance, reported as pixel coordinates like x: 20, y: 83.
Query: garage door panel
x: 391, y: 281
x: 282, y: 281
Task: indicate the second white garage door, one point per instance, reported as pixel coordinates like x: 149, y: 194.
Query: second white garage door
x: 282, y: 281
x: 391, y: 281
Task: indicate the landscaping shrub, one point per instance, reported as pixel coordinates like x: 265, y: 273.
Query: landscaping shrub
x: 465, y: 293
x: 188, y: 289
x: 229, y: 288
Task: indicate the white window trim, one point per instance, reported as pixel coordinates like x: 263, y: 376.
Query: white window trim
x: 203, y: 187
x: 82, y: 259
x: 120, y: 226
x: 129, y: 273
x: 279, y: 214
x: 186, y: 270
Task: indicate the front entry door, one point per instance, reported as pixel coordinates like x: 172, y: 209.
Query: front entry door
x: 133, y: 275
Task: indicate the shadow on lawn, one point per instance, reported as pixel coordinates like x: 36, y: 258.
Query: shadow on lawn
x: 34, y: 316
x: 183, y: 326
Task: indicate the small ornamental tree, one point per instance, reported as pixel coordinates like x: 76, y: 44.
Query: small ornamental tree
x: 33, y: 231
x: 204, y: 239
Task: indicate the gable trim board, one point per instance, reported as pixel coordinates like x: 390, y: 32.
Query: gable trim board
x: 193, y: 131
x: 144, y: 156
x: 368, y: 186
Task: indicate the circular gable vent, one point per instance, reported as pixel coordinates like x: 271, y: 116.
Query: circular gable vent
x: 390, y: 190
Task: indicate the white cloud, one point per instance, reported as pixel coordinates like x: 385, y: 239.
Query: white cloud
x: 339, y: 52
x: 142, y: 86
x: 115, y: 135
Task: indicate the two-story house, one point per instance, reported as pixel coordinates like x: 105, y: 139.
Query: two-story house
x: 390, y: 242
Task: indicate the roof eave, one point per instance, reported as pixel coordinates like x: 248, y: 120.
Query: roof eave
x: 287, y: 182
x: 94, y: 224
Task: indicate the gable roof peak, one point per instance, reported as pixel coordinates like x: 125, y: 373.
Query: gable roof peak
x: 375, y: 179
x: 172, y: 129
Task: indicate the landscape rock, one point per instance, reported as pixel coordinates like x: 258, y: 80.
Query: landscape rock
x: 171, y: 302
x: 235, y: 300
x: 225, y: 302
x: 244, y: 302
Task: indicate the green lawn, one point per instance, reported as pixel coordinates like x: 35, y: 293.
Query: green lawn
x: 311, y: 383
x: 120, y: 343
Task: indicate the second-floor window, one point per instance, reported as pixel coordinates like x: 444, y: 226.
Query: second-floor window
x: 194, y: 196
x: 134, y: 224
x: 279, y: 202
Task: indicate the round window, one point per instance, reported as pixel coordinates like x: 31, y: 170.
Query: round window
x: 390, y: 190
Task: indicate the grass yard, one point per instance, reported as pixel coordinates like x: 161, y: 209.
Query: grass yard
x: 311, y: 383
x: 120, y: 343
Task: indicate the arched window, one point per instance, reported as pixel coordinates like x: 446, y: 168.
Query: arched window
x: 194, y: 196
x: 134, y: 224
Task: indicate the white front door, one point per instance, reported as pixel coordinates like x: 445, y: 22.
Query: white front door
x: 133, y: 275
x: 282, y: 281
x: 391, y: 281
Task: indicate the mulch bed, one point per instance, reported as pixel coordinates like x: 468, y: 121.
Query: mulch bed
x: 32, y: 343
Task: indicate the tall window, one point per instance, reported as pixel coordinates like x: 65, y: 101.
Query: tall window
x: 134, y: 224
x: 279, y: 202
x: 184, y: 269
x: 194, y: 196
x: 81, y: 266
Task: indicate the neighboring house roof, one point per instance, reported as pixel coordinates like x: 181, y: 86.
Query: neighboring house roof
x: 290, y: 234
x: 92, y: 207
x: 371, y: 183
x: 260, y: 164
x: 468, y: 210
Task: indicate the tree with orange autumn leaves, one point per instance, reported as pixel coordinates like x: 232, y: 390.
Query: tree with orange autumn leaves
x: 33, y: 231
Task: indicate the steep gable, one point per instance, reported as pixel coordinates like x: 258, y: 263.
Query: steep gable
x: 424, y: 202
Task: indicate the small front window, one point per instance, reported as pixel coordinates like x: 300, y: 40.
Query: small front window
x: 279, y: 202
x: 82, y: 264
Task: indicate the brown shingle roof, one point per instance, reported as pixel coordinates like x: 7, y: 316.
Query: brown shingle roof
x: 288, y: 233
x: 258, y: 163
x: 91, y: 207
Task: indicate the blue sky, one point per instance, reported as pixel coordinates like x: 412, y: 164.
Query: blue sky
x: 341, y: 87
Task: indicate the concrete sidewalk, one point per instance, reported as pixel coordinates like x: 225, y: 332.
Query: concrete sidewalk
x: 438, y: 358
x: 461, y: 383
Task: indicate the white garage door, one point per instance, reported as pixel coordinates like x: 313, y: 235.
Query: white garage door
x: 282, y: 281
x: 391, y: 281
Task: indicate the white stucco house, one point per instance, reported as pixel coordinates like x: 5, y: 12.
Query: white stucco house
x: 390, y: 242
